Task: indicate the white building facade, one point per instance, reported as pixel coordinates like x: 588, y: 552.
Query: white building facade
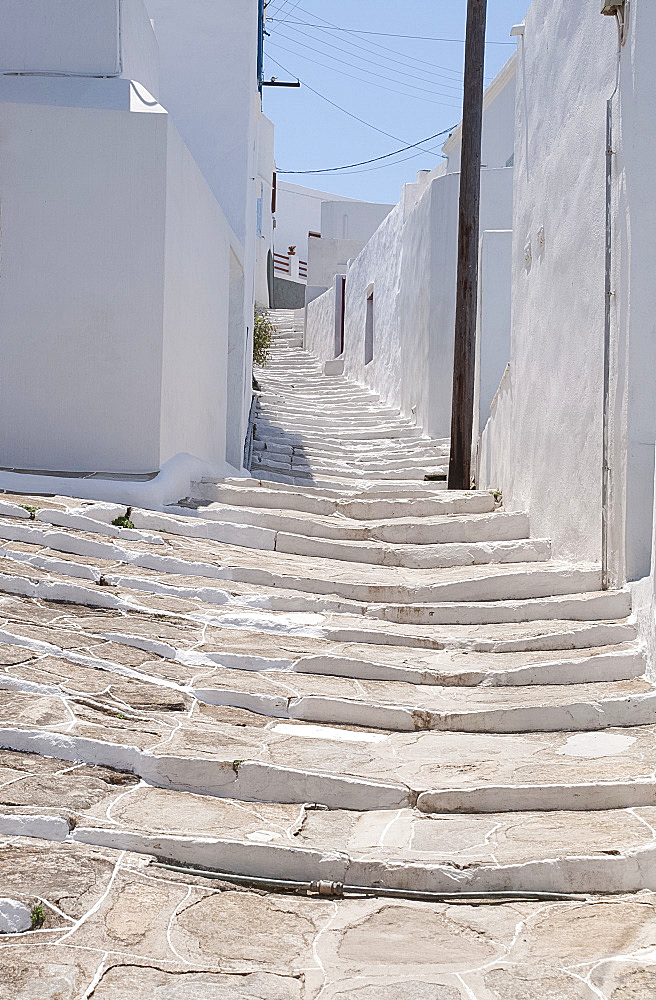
x: 129, y: 252
x: 400, y: 288
x: 572, y: 431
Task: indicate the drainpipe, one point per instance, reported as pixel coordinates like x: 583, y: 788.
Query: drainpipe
x: 620, y: 10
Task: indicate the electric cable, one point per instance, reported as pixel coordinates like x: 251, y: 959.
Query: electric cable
x: 372, y: 73
x: 393, y: 34
x: 371, y: 46
x: 445, y: 82
x: 378, y: 86
x: 375, y: 159
x: 339, y: 107
x: 289, y: 12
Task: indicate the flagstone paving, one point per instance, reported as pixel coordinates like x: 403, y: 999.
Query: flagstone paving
x: 334, y: 674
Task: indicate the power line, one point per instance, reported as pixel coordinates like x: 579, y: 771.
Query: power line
x: 339, y: 107
x: 374, y: 62
x: 370, y: 46
x: 289, y: 12
x: 375, y: 159
x: 381, y: 166
x: 392, y: 34
x: 378, y: 86
x: 405, y: 60
x: 372, y: 73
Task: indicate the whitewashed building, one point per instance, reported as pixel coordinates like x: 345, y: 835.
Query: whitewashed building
x: 129, y: 237
x: 298, y: 214
x: 391, y: 320
x: 316, y: 233
x: 572, y: 430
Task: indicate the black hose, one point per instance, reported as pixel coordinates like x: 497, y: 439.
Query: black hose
x: 338, y: 890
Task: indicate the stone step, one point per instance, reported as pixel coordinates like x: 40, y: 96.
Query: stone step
x: 303, y: 695
x: 451, y: 602
x: 383, y: 469
x: 346, y: 472
x: 329, y: 411
x: 416, y: 502
x: 344, y: 483
x: 607, y: 851
x: 391, y: 706
x: 426, y: 555
x: 498, y: 526
x: 422, y: 556
x: 181, y: 648
x: 333, y: 421
x: 334, y: 452
x: 344, y: 434
x: 438, y: 772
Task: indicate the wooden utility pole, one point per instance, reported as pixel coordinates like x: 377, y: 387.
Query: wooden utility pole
x: 468, y: 229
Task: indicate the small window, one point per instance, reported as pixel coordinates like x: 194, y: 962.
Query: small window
x: 345, y: 227
x: 369, y: 329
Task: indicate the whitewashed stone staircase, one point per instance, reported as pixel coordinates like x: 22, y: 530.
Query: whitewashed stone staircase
x: 335, y: 670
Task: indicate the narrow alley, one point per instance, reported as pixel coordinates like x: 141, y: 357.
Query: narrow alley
x: 300, y: 735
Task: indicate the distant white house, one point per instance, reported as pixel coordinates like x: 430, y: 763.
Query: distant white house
x: 131, y: 231
x: 298, y: 213
x: 317, y: 232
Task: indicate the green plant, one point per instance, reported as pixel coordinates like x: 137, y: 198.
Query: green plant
x: 37, y: 916
x: 124, y: 521
x: 263, y: 330
x: 31, y: 510
x: 498, y: 496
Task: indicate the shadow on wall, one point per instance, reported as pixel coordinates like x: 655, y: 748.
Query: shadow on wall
x: 288, y: 294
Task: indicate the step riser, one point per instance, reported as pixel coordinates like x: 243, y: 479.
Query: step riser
x: 253, y: 781
x: 573, y: 716
x: 588, y: 669
x: 420, y: 557
x: 490, y: 528
x: 633, y: 871
x: 366, y: 510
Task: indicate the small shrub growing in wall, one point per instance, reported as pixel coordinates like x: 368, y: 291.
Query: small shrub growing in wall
x: 262, y: 336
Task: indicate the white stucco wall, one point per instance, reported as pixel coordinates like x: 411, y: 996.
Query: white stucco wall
x: 496, y: 446
x: 208, y: 56
x: 105, y: 38
x: 558, y: 296
x: 494, y: 318
x: 264, y: 219
x: 319, y: 336
x: 351, y: 220
x: 195, y: 314
x: 567, y: 65
x: 411, y: 263
x: 327, y: 257
x: 112, y: 299
x: 633, y: 312
x: 81, y: 290
x: 498, y: 122
x: 298, y: 212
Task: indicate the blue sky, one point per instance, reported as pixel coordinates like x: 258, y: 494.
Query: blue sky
x: 408, y: 88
